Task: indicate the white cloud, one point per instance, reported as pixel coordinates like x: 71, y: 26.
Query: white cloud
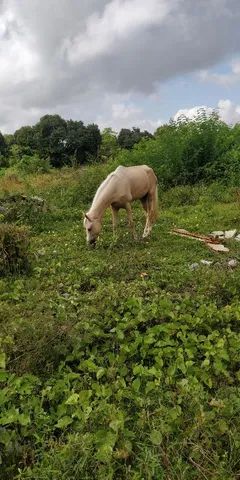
x: 62, y: 56
x: 228, y: 111
x: 224, y: 79
x: 128, y: 115
x: 192, y: 113
x: 18, y: 59
x: 120, y: 20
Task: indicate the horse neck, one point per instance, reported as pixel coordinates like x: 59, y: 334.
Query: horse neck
x: 102, y: 201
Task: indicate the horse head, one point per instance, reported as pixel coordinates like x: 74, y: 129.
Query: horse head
x: 93, y: 228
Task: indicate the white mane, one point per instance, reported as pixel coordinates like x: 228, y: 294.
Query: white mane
x: 102, y: 187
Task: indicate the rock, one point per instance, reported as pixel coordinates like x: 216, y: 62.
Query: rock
x: 217, y: 247
x: 238, y: 238
x: 193, y: 266
x: 230, y: 233
x: 206, y: 262
x: 218, y: 234
x: 233, y: 263
x: 66, y: 295
x: 37, y: 199
x: 41, y: 252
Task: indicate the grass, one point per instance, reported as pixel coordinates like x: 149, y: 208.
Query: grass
x: 121, y: 362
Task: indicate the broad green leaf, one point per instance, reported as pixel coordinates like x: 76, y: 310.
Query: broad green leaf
x: 73, y: 399
x: 136, y: 384
x: 156, y: 437
x: 64, y: 422
x: 2, y: 360
x: 24, y: 419
x: 100, y: 373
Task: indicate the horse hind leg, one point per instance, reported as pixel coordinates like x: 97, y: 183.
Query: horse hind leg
x: 150, y: 206
x: 145, y: 204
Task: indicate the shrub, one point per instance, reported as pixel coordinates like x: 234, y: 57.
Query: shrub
x: 14, y: 243
x: 33, y: 164
x: 180, y: 196
x: 186, y: 152
x: 22, y: 209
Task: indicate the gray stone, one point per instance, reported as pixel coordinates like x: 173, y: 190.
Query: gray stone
x: 233, y: 263
x: 206, y: 262
x: 193, y: 266
x: 238, y: 238
x: 41, y: 252
x: 230, y: 233
x: 218, y: 234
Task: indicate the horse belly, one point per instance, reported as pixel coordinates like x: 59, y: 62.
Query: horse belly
x: 119, y: 204
x: 140, y: 190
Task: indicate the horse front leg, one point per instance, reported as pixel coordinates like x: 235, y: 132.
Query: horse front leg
x: 130, y: 220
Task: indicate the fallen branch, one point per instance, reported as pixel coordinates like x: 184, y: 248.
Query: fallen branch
x: 197, y: 236
x: 210, y: 241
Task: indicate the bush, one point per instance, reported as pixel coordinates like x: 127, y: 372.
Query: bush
x: 14, y: 243
x: 83, y: 191
x: 180, y: 196
x: 33, y: 164
x: 187, y: 152
x: 22, y: 209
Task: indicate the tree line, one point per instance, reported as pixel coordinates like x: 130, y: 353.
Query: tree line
x: 181, y: 152
x: 64, y: 142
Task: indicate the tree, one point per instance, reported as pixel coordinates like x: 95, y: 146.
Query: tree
x: 25, y: 137
x: 128, y: 138
x: 9, y: 139
x: 92, y: 141
x: 51, y: 133
x: 82, y: 143
x: 109, y: 145
x: 75, y: 148
x: 3, y: 145
x: 3, y: 151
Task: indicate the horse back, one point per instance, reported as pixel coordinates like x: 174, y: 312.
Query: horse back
x: 137, y: 180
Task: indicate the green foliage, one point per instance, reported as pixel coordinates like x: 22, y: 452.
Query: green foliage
x: 25, y: 138
x: 51, y: 136
x: 109, y: 145
x: 3, y: 145
x: 22, y: 209
x: 14, y: 244
x: 3, y: 152
x: 33, y: 164
x: 121, y: 362
x: 128, y: 138
x: 188, y: 152
x: 181, y: 152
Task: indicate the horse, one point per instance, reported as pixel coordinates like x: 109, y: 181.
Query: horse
x: 121, y: 187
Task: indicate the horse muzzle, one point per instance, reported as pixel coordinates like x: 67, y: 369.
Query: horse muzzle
x: 92, y: 242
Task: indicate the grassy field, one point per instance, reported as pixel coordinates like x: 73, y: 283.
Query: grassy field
x: 121, y: 361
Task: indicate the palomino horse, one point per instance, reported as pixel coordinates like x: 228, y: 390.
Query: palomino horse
x: 118, y: 190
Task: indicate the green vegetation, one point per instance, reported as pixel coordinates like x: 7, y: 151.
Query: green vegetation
x: 120, y: 362
x: 14, y: 242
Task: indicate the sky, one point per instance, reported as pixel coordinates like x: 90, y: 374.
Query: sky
x: 118, y: 63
